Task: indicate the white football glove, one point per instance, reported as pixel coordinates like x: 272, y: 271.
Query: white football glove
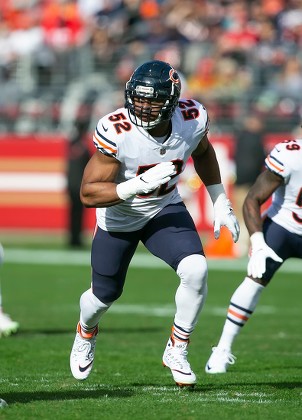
x: 260, y: 252
x: 146, y: 182
x: 224, y: 216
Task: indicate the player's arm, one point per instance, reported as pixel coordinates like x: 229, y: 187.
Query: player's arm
x: 266, y: 183
x: 98, y: 188
x: 207, y: 168
x: 264, y: 186
x: 205, y: 162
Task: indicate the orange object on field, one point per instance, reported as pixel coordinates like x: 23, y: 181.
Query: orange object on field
x: 222, y: 247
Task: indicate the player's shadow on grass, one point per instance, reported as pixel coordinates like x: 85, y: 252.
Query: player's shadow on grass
x: 129, y: 330
x: 233, y: 386
x: 28, y: 397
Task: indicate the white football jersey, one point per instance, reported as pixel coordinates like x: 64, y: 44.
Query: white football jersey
x: 286, y: 208
x: 137, y: 151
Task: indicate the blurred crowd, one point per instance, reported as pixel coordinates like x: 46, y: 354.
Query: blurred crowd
x: 64, y: 59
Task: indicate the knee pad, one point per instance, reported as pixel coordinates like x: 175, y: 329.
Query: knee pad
x: 193, y: 272
x: 107, y: 288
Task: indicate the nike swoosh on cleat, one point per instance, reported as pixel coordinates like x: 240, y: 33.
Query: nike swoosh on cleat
x: 84, y: 368
x: 209, y: 367
x: 183, y: 373
x: 105, y: 129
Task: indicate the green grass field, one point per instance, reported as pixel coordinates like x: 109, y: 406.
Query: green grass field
x: 41, y: 290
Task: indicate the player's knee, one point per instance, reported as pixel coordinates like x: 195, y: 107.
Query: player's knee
x: 263, y: 281
x: 107, y: 288
x: 106, y: 292
x: 193, y: 272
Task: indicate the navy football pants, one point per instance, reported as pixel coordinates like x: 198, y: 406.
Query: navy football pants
x: 170, y: 235
x: 284, y: 243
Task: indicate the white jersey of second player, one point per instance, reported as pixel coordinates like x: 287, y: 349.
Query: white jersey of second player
x: 137, y: 151
x: 286, y: 208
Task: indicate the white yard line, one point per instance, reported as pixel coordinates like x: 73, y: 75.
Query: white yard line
x: 82, y: 258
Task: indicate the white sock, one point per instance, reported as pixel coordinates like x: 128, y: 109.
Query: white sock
x: 91, y: 310
x: 192, y: 291
x: 242, y: 304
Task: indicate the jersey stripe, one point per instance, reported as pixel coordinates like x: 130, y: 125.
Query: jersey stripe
x: 274, y: 165
x: 98, y: 134
x: 103, y: 144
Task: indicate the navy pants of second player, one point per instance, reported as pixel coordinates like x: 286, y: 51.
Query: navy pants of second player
x: 286, y: 244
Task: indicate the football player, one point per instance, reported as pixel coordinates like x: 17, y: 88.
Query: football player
x: 131, y: 180
x: 274, y: 238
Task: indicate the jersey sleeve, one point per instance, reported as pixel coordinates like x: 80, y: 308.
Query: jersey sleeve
x: 204, y: 121
x: 278, y: 161
x: 195, y: 117
x: 103, y: 139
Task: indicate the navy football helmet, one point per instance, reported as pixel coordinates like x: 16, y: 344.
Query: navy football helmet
x: 157, y: 82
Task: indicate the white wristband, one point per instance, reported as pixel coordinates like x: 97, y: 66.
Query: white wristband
x: 215, y: 191
x: 126, y: 189
x: 257, y: 240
